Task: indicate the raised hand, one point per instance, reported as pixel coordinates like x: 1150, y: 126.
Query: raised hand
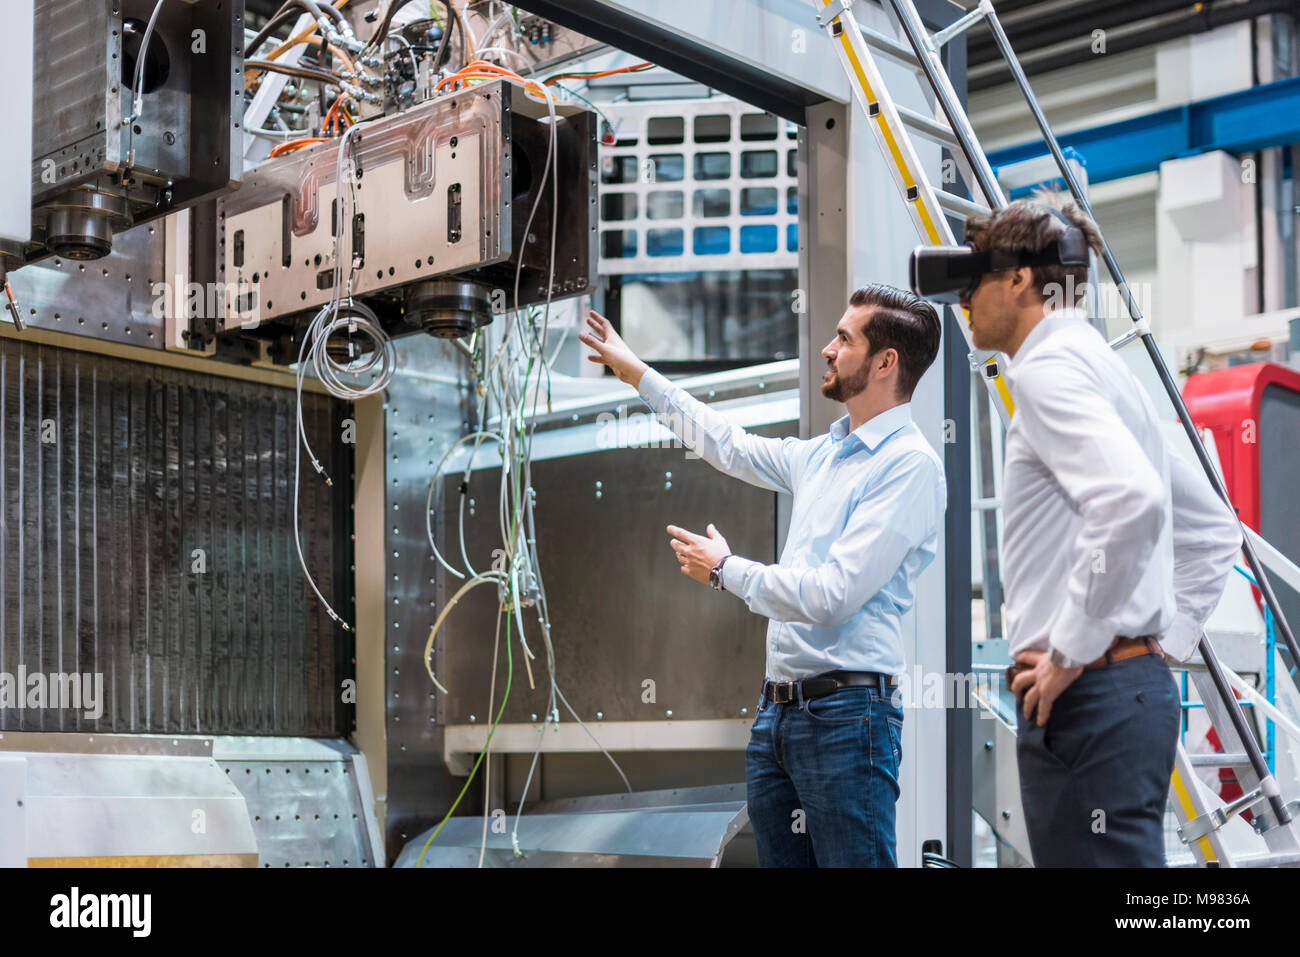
x: 697, y: 554
x: 611, y: 350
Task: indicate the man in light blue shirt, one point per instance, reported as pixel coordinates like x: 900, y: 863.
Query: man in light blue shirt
x: 824, y: 752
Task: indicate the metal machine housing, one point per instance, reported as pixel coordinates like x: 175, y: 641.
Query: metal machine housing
x: 92, y: 173
x: 443, y: 193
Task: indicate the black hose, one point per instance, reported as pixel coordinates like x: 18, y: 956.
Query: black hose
x: 293, y: 70
x: 444, y: 45
x: 307, y: 5
x: 382, y: 30
x: 287, y: 13
x: 277, y: 20
x: 329, y: 11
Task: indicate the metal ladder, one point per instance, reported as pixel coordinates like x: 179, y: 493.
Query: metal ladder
x: 1201, y: 822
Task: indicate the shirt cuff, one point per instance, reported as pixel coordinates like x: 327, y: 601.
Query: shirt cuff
x: 654, y: 387
x: 1079, y: 637
x: 1182, y: 637
x: 734, y: 573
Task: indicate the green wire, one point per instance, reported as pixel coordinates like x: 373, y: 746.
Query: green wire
x: 516, y: 528
x: 510, y: 673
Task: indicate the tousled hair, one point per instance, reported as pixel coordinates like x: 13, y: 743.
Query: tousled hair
x: 1029, y: 226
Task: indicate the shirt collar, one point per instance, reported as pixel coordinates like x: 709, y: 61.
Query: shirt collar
x: 1050, y: 323
x: 875, y: 430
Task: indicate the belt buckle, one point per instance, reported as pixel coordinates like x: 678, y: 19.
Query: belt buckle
x: 782, y: 692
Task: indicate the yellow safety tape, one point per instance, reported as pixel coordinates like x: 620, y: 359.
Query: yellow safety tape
x: 909, y: 181
x: 148, y: 860
x: 1003, y: 392
x: 1189, y: 812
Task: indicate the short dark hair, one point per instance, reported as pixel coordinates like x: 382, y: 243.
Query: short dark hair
x: 902, y: 322
x: 1029, y: 225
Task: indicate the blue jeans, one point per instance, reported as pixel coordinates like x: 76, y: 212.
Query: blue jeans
x: 1094, y: 780
x: 822, y: 780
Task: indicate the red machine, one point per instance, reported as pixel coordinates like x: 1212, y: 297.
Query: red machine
x: 1254, y: 413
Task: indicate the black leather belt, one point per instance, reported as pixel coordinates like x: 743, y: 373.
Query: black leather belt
x: 818, y: 686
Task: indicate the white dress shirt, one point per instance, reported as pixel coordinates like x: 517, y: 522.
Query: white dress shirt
x: 1107, y: 531
x: 867, y: 507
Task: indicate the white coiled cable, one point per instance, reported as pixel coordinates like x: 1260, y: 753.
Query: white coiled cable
x: 341, y: 379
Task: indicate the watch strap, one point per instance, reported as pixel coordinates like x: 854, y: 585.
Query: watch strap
x: 1061, y: 659
x: 715, y: 574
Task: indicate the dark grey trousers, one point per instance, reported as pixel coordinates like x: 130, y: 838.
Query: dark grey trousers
x: 1094, y: 781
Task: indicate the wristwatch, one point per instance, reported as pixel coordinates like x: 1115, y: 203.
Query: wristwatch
x: 1061, y: 660
x: 715, y: 574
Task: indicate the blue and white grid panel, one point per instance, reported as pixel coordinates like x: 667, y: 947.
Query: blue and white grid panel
x: 696, y: 185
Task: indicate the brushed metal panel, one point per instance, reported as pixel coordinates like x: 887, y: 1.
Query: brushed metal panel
x: 307, y: 798
x: 426, y: 411
x: 622, y: 613
x: 679, y: 827
x: 303, y: 812
x: 111, y: 298
x: 146, y: 536
x: 91, y: 806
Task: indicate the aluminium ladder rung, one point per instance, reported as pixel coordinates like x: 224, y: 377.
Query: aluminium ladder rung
x: 958, y: 206
x: 959, y: 26
x: 919, y: 123
x: 890, y: 47
x: 1219, y: 760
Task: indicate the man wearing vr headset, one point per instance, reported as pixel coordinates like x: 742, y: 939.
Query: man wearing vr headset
x: 822, y: 766
x: 1115, y: 549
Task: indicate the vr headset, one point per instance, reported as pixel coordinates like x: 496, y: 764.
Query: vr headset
x: 949, y: 273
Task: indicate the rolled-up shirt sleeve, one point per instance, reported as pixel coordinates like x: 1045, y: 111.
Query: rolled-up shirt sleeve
x: 1207, y: 541
x: 888, y: 522
x: 1121, y: 498
x: 758, y: 460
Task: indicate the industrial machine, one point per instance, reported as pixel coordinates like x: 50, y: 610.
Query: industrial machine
x: 455, y: 212
x: 1253, y: 411
x: 360, y: 216
x: 138, y: 108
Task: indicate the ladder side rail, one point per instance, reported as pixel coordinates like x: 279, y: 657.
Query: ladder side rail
x: 1232, y: 708
x: 1188, y: 803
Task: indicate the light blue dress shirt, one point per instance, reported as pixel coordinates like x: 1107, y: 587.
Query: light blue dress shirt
x: 867, y: 507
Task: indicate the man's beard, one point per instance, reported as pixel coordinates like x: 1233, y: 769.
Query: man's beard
x: 841, y: 390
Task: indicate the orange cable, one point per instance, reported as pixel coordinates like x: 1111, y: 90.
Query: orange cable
x: 592, y: 76
x: 282, y: 148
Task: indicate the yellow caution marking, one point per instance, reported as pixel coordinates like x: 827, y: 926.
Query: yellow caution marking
x: 891, y: 142
x: 1003, y: 392
x: 1189, y: 812
x: 148, y: 860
